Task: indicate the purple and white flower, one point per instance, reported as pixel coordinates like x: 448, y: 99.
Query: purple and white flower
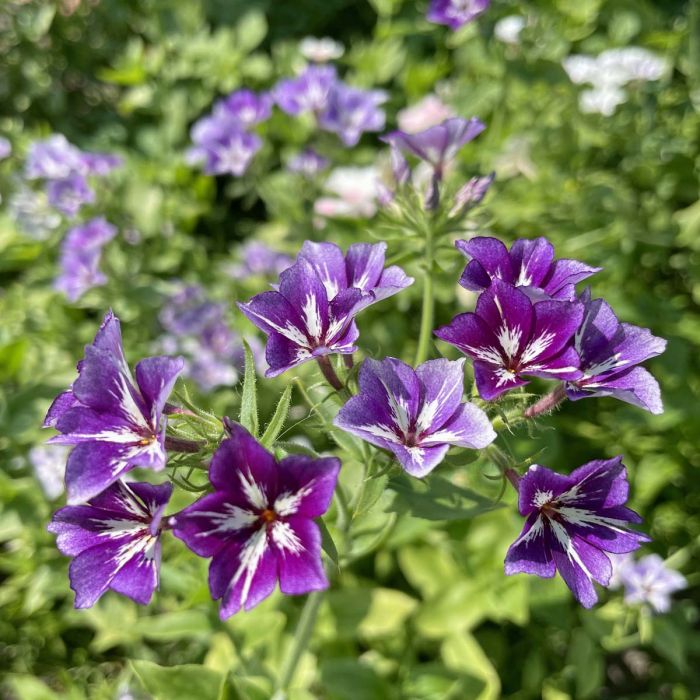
x: 258, y: 258
x: 115, y: 541
x: 648, y: 581
x: 308, y: 163
x: 416, y: 414
x: 230, y: 153
x: 610, y: 353
x: 49, y: 465
x: 243, y: 108
x: 351, y: 111
x: 471, y: 194
x: 312, y: 312
x: 509, y: 337
x: 308, y: 92
x: 437, y: 145
x: 572, y: 523
x: 258, y: 525
x: 456, y: 13
x: 54, y: 158
x: 529, y: 265
x: 320, y: 50
x: 69, y: 194
x: 115, y: 423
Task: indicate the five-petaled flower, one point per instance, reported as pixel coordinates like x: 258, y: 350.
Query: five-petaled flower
x: 610, y: 352
x: 312, y: 312
x: 529, y: 265
x: 416, y: 414
x: 647, y: 581
x: 116, y: 424
x: 508, y: 336
x: 258, y: 524
x: 115, y: 539
x: 572, y: 521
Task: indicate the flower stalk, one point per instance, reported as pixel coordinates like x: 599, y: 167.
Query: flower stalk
x: 428, y: 307
x: 547, y: 403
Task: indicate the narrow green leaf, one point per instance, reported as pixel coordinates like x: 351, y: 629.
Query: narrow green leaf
x: 297, y: 448
x: 249, y: 399
x: 274, y: 427
x: 327, y: 542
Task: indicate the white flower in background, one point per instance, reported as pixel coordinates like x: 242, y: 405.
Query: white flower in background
x: 508, y: 29
x: 49, y: 464
x: 603, y: 100
x: 609, y: 72
x: 430, y: 111
x: 320, y: 50
x: 32, y: 213
x: 515, y: 159
x: 356, y: 191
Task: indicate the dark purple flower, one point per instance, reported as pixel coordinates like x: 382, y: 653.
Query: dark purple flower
x: 508, y: 336
x: 115, y: 541
x: 81, y: 252
x: 610, y: 352
x: 258, y: 524
x: 471, y: 194
x: 309, y: 92
x: 116, y: 424
x: 456, y: 13
x: 244, y: 108
x: 572, y: 522
x: 54, y: 158
x: 529, y: 264
x: 308, y: 163
x: 312, y: 312
x: 69, y: 194
x: 416, y: 414
x: 437, y: 145
x: 351, y: 111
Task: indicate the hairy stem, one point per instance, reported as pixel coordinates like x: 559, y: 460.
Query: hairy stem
x: 513, y: 477
x: 329, y: 373
x: 547, y: 403
x: 349, y: 362
x: 427, y: 312
x: 176, y: 444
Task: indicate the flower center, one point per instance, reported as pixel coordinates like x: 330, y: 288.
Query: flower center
x: 268, y: 516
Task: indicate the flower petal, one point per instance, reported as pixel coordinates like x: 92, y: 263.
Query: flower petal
x: 531, y: 260
x: 419, y: 460
x: 442, y: 383
x: 306, y: 486
x: 555, y: 323
x: 492, y: 380
x: 297, y: 543
x: 302, y: 287
x: 365, y: 264
x: 469, y: 427
x: 530, y: 553
x: 328, y: 261
x: 156, y: 377
x: 283, y: 354
x: 492, y: 258
x: 272, y: 313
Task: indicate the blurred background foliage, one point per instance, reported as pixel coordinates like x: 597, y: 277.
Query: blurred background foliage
x: 430, y: 614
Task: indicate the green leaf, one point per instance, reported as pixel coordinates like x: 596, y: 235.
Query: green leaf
x: 183, y: 624
x: 372, y: 490
x: 436, y: 498
x: 327, y: 542
x: 178, y: 682
x: 297, y: 448
x: 585, y: 657
x: 387, y: 613
x: 462, y: 653
x: 249, y: 399
x: 274, y: 427
x: 251, y: 30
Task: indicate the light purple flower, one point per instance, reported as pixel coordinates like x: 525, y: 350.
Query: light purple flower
x: 308, y: 163
x: 31, y: 211
x: 81, y: 252
x: 115, y: 541
x: 416, y: 414
x: 49, y: 465
x: 610, y: 352
x: 116, y: 424
x: 244, y: 108
x: 101, y: 163
x: 309, y: 92
x: 529, y: 265
x: 259, y: 259
x: 508, y: 337
x: 5, y: 148
x: 312, y: 312
x: 649, y: 581
x: 351, y: 111
x: 69, y: 194
x: 471, y: 194
x: 189, y: 312
x: 437, y: 145
x: 258, y: 524
x: 456, y: 13
x: 230, y: 154
x: 572, y: 522
x: 54, y: 158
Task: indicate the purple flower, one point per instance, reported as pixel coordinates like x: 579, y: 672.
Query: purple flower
x: 572, y: 521
x: 49, y: 464
x: 101, y: 163
x: 116, y: 424
x: 650, y: 581
x: 508, y: 336
x: 54, y: 158
x: 259, y: 259
x: 351, y: 111
x: 69, y: 194
x: 189, y: 312
x: 471, y: 194
x: 244, y: 108
x: 81, y: 252
x: 115, y: 541
x: 437, y: 145
x: 529, y: 265
x: 610, y: 352
x: 308, y: 163
x: 309, y: 92
x: 5, y: 148
x: 416, y: 414
x: 312, y: 313
x: 229, y: 154
x: 456, y: 13
x: 258, y: 524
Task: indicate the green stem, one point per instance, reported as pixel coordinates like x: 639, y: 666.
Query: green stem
x: 426, y: 321
x: 302, y: 636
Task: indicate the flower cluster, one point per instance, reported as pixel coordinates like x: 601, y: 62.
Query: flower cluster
x: 528, y: 321
x: 609, y: 72
x: 65, y: 170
